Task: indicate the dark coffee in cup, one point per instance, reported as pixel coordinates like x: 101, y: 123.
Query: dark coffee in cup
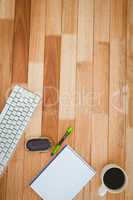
x: 114, y: 178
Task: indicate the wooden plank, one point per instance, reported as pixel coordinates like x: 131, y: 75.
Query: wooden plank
x: 85, y: 31
x: 67, y: 93
x: 51, y: 86
x: 129, y: 120
x: 83, y: 109
x: 54, y: 12
x: 20, y: 53
x: 129, y: 61
x: 7, y: 9
x: 102, y: 12
x: 67, y: 77
x: 84, y: 76
x: 129, y: 163
x: 101, y: 68
x: 99, y: 149
x: 100, y: 113
x: 19, y: 76
x: 3, y: 182
x: 51, y: 73
x: 6, y: 38
x: 117, y: 118
x: 21, y: 41
x: 100, y: 91
x: 6, y: 41
x: 69, y: 23
x: 101, y: 56
x: 32, y: 163
x: 37, y: 31
x: 51, y: 91
x: 83, y: 122
x: 67, y: 85
x: 117, y: 81
x: 15, y: 180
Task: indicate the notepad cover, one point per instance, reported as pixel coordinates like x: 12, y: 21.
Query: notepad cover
x: 64, y: 177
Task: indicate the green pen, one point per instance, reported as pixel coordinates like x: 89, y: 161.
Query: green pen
x: 57, y: 147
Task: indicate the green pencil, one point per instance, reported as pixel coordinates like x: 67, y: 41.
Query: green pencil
x: 57, y: 147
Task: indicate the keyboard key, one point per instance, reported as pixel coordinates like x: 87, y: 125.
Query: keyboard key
x: 2, y: 154
x: 9, y: 140
x: 4, y: 161
x: 2, y: 145
x: 37, y: 99
x: 10, y: 100
x: 7, y: 145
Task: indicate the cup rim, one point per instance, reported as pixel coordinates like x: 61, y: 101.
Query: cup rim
x: 105, y: 169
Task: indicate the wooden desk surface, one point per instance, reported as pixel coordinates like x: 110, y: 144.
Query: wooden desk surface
x: 78, y: 55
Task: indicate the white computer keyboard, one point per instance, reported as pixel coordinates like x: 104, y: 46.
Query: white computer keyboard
x: 13, y: 120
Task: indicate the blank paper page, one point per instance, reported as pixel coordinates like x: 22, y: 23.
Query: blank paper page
x: 64, y: 177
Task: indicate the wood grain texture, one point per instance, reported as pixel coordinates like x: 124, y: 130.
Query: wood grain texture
x: 117, y: 116
x: 67, y: 77
x: 130, y: 62
x: 35, y: 83
x: 19, y: 76
x: 117, y: 82
x: 83, y: 118
x: 37, y: 38
x: 129, y: 82
x: 7, y: 9
x: 21, y: 41
x: 51, y: 86
x: 6, y: 38
x: 54, y: 12
x: 67, y: 94
x: 84, y: 77
x: 100, y: 105
x: 101, y: 84
x: 99, y: 139
x: 6, y: 41
x: 69, y: 25
x: 51, y: 73
x: 67, y: 85
x: 85, y: 31
x: 77, y: 54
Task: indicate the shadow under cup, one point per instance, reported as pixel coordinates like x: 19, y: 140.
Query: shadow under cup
x: 114, y: 178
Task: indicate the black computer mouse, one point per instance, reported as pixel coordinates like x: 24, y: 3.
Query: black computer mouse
x: 39, y: 144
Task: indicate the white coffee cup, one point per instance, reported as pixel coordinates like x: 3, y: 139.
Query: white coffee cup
x: 104, y: 188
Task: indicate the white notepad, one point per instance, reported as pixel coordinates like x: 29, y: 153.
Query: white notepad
x: 64, y: 177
